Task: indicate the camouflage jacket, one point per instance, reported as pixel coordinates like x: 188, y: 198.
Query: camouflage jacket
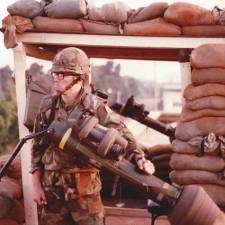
x: 45, y: 155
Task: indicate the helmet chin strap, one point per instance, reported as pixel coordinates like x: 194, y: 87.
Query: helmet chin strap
x: 69, y: 86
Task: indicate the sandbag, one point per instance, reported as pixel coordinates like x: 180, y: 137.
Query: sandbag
x: 163, y: 165
x: 158, y: 150
x: 204, y: 31
x: 96, y: 27
x: 13, y: 25
x: 155, y: 27
x: 208, y: 75
x: 17, y: 212
x: 192, y: 162
x: 28, y: 9
x: 10, y: 39
x: 66, y: 9
x: 186, y: 14
x: 14, y: 170
x: 5, y: 206
x: 200, y: 127
x: 115, y: 12
x: 187, y: 177
x: 46, y: 24
x: 22, y: 24
x: 183, y: 147
x: 208, y: 55
x: 189, y: 115
x: 149, y: 12
x: 213, y: 102
x: 216, y: 192
x: 163, y: 175
x: 10, y: 188
x: 8, y: 222
x: 161, y: 157
x: 192, y: 92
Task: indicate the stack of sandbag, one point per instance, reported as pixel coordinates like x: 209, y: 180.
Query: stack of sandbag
x: 196, y: 20
x: 160, y: 155
x: 52, y: 15
x: 11, y: 202
x: 156, y: 19
x: 149, y: 21
x: 199, y: 148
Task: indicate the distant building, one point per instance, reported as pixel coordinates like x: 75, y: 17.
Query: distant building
x: 172, y: 98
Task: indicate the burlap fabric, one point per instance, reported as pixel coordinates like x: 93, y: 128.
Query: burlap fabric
x: 160, y: 155
x: 208, y: 56
x: 204, y: 31
x: 149, y: 12
x: 13, y: 25
x: 97, y: 27
x: 115, y: 12
x: 186, y: 14
x: 208, y: 75
x: 47, y: 24
x: 66, y: 9
x: 155, y: 27
x: 28, y: 9
x: 210, y: 102
x: 199, y: 145
x: 11, y: 202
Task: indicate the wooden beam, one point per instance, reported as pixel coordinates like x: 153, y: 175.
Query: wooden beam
x: 39, y: 52
x: 132, y: 53
x: 20, y: 68
x: 115, y: 40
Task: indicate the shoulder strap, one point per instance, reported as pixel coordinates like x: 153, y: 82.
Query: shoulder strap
x: 55, y: 99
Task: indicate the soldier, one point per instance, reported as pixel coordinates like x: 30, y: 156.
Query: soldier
x: 66, y: 185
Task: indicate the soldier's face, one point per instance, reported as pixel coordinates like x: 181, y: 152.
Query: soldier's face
x: 62, y: 82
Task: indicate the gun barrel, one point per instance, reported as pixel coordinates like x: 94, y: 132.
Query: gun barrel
x: 158, y: 126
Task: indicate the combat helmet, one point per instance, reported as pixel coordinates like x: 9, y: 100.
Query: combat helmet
x: 71, y: 60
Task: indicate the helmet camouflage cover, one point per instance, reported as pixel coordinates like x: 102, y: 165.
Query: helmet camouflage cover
x: 71, y: 60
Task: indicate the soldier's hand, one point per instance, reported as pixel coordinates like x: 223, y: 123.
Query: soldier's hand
x: 39, y: 196
x: 144, y: 164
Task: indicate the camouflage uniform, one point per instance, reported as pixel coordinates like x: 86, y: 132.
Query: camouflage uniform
x: 72, y: 186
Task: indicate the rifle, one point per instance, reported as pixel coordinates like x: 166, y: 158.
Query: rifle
x: 137, y: 112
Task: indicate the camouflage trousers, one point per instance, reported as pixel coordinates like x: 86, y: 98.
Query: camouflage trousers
x: 73, y: 198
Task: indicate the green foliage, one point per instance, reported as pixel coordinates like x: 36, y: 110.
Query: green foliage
x: 8, y: 121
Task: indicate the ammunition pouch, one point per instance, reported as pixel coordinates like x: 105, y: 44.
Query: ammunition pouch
x: 87, y: 181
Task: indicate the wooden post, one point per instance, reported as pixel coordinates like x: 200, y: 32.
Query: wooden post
x: 185, y: 69
x: 19, y: 70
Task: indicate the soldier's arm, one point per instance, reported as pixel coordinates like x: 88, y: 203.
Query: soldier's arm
x: 39, y: 144
x: 109, y: 118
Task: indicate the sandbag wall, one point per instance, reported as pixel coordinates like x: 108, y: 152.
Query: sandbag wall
x: 199, y: 147
x: 11, y: 199
x: 117, y: 18
x: 160, y: 156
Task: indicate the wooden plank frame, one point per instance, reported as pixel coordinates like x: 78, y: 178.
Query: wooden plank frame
x: 46, y: 45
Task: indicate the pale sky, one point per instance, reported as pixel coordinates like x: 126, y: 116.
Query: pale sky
x: 162, y: 71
